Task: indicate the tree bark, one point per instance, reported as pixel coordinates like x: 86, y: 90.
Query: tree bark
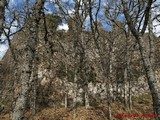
x: 66, y: 99
x: 20, y: 105
x: 84, y: 68
x: 29, y: 52
x: 130, y: 93
x: 75, y: 93
x: 125, y: 86
x: 86, y: 95
x: 150, y: 77
x: 95, y: 35
x: 110, y: 76
x: 3, y: 4
x: 33, y: 85
x: 146, y: 58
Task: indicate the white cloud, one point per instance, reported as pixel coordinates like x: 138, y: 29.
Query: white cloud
x: 49, y: 12
x: 156, y: 23
x: 156, y: 30
x: 3, y: 50
x: 71, y: 12
x: 63, y: 27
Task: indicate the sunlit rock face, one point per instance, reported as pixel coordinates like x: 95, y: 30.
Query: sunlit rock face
x: 138, y: 87
x: 53, y: 84
x: 142, y: 85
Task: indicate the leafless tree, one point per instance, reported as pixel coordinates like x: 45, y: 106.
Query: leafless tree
x: 29, y: 50
x: 3, y: 4
x: 143, y: 48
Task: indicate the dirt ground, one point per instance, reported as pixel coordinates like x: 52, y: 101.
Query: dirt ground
x: 142, y: 110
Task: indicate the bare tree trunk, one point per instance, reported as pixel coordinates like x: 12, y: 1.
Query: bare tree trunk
x: 150, y: 77
x: 151, y: 42
x: 125, y: 86
x: 66, y: 100
x: 130, y: 93
x: 86, y: 95
x: 75, y: 87
x: 126, y: 74
x: 29, y: 52
x: 85, y: 67
x: 146, y: 58
x: 117, y: 92
x: 65, y: 88
x: 33, y: 85
x: 3, y: 4
x: 20, y: 105
x: 156, y: 105
x: 109, y: 101
x: 110, y: 76
x: 15, y: 83
x: 102, y: 59
x: 75, y: 93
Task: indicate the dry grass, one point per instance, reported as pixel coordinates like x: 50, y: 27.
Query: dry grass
x: 140, y: 106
